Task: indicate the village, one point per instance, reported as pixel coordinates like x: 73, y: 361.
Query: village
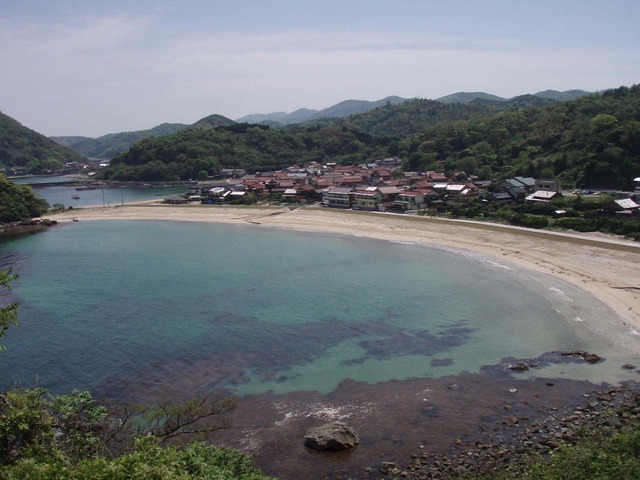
x: 383, y: 187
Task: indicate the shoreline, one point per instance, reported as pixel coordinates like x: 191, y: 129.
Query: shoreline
x: 603, y: 266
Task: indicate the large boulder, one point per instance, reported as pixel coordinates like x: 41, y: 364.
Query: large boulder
x: 332, y: 437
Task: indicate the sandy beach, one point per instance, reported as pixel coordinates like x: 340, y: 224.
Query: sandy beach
x: 604, y: 266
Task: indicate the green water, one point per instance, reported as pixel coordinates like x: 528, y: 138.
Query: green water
x: 108, y: 305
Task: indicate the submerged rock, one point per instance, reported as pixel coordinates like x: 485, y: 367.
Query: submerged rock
x: 332, y: 437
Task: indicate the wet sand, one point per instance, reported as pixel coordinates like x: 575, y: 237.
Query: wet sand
x: 399, y: 419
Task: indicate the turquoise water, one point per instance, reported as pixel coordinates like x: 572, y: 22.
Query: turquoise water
x: 111, y: 305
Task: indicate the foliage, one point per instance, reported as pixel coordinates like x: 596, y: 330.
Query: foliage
x: 8, y: 313
x: 169, y: 420
x: 593, y: 141
x: 594, y: 457
x: 187, y: 154
x: 73, y: 436
x: 22, y: 147
x: 147, y: 460
x: 529, y: 221
x: 19, y: 201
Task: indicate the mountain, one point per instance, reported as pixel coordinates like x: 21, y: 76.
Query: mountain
x: 482, y: 97
x: 339, y: 110
x: 107, y: 146
x: 468, y: 97
x: 561, y: 96
x: 24, y: 148
x: 212, y: 121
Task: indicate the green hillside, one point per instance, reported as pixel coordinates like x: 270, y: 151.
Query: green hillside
x: 201, y: 152
x: 23, y: 148
x: 593, y: 141
x: 19, y: 202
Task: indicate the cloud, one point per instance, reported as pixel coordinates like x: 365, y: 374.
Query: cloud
x: 101, y: 74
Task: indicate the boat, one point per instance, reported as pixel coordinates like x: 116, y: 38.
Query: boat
x: 75, y: 197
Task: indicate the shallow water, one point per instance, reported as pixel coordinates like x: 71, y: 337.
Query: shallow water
x: 145, y: 308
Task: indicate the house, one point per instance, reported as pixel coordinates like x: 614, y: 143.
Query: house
x: 367, y: 199
x: 528, y: 183
x: 549, y: 185
x: 498, y: 197
x: 175, y: 200
x: 542, y: 196
x: 410, y: 200
x: 636, y: 181
x: 337, y: 197
x: 214, y: 194
x: 518, y: 194
x: 623, y: 206
x: 388, y: 193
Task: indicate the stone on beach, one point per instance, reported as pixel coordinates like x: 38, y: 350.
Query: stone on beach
x: 332, y: 437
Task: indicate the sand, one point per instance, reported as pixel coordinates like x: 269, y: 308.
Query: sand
x: 607, y: 267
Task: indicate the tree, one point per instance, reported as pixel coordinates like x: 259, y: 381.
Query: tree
x: 8, y: 313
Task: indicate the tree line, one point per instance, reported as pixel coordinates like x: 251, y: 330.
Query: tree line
x: 593, y: 141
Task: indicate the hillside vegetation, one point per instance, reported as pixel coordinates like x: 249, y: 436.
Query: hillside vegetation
x: 198, y: 153
x: 22, y: 147
x: 593, y: 141
x: 19, y: 202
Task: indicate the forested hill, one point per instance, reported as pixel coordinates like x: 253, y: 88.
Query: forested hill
x: 302, y: 115
x: 592, y: 141
x: 24, y: 148
x: 19, y: 202
x: 198, y: 153
x: 110, y: 145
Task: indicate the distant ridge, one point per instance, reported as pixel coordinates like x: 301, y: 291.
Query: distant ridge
x: 468, y: 97
x: 339, y: 110
x: 107, y: 146
x: 561, y: 96
x: 482, y: 97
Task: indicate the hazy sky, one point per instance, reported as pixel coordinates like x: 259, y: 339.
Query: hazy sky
x: 94, y: 67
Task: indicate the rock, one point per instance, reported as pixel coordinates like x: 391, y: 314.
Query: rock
x: 332, y: 437
x: 591, y: 358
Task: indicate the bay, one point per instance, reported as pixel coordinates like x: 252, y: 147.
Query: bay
x: 120, y: 306
x: 104, y: 197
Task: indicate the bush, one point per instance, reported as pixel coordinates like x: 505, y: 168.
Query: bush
x: 72, y: 437
x: 529, y: 221
x: 147, y: 460
x: 577, y: 224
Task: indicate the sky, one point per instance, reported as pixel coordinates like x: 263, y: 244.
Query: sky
x: 92, y: 67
